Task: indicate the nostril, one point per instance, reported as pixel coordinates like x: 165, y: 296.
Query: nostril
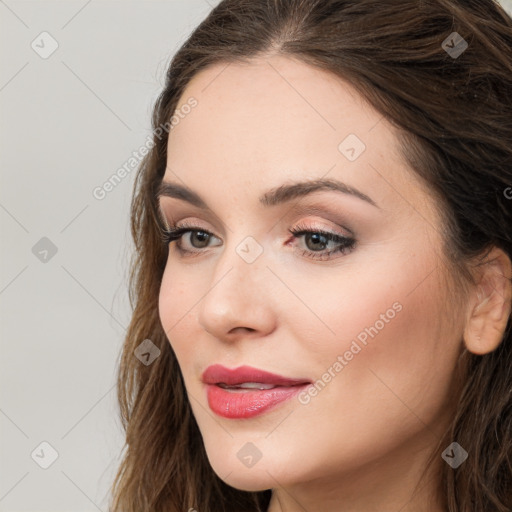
x: 236, y: 329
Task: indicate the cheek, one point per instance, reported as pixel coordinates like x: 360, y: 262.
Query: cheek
x: 390, y: 339
x: 395, y: 382
x: 175, y: 308
x: 388, y: 312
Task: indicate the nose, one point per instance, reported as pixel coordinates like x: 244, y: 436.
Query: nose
x: 238, y: 302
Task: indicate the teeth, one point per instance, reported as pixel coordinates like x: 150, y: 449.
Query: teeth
x: 256, y: 385
x: 248, y: 385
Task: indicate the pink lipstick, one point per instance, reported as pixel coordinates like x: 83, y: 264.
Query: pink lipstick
x: 245, y: 391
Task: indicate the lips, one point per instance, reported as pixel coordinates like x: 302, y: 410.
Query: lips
x: 218, y: 374
x: 245, y: 391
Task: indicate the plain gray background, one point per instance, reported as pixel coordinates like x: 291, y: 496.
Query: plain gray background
x: 69, y: 120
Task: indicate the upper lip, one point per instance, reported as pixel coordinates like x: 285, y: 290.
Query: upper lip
x: 216, y: 374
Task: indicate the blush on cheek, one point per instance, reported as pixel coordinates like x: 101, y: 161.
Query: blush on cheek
x: 413, y: 354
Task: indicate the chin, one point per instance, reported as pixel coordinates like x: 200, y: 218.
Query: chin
x: 236, y: 474
x: 249, y: 480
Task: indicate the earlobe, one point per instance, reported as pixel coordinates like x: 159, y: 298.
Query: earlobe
x: 489, y: 306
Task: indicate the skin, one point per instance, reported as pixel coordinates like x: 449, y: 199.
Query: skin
x: 362, y: 442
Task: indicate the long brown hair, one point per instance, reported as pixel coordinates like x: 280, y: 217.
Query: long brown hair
x: 454, y: 114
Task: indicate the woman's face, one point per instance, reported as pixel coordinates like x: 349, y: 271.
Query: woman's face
x: 371, y: 327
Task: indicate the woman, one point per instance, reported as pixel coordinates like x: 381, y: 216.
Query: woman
x: 322, y: 278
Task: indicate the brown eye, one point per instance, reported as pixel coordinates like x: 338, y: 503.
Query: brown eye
x: 202, y: 238
x: 197, y: 239
x: 316, y: 241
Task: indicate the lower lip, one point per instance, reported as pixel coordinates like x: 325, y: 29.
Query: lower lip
x: 248, y: 402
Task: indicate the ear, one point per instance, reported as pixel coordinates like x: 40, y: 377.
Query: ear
x: 489, y: 304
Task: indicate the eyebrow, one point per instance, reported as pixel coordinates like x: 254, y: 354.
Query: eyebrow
x: 272, y: 197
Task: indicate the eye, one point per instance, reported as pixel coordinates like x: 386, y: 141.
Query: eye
x: 316, y: 240
x: 199, y: 238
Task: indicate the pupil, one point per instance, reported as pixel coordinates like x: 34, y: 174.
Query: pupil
x: 316, y: 237
x: 202, y: 236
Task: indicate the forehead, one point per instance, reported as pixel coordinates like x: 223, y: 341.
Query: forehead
x: 273, y: 101
x: 271, y: 120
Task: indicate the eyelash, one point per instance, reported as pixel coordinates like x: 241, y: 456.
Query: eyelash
x: 346, y: 244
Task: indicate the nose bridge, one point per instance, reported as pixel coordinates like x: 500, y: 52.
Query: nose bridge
x: 242, y: 260
x: 238, y: 294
